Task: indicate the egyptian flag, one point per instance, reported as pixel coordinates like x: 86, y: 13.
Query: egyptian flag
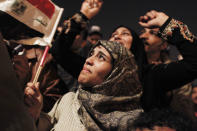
x: 29, y: 21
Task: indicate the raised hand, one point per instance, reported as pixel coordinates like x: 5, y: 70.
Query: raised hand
x: 91, y: 7
x: 33, y: 99
x: 153, y: 19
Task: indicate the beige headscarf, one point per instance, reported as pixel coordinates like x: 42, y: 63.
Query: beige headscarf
x: 110, y: 105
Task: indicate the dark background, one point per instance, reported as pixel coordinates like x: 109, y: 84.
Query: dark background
x: 127, y: 12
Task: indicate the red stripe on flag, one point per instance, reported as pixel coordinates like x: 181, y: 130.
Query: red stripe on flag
x: 45, y: 6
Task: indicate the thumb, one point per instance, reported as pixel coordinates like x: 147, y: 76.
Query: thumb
x: 145, y: 25
x: 149, y: 24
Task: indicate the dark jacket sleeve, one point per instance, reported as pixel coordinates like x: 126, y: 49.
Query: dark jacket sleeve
x: 60, y: 50
x: 178, y: 73
x: 165, y: 77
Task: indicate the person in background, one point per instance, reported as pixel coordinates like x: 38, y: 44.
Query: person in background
x: 13, y: 113
x: 155, y: 47
x: 80, y: 41
x: 194, y: 96
x: 159, y: 51
x: 175, y: 74
x: 26, y: 58
x: 162, y: 120
x: 94, y: 34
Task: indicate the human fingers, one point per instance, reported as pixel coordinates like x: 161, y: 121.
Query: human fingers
x: 97, y: 3
x: 29, y: 84
x: 154, y: 13
x: 143, y: 24
x: 36, y: 88
x: 33, y: 95
x: 32, y: 91
x: 29, y: 100
x: 143, y: 19
x: 150, y: 15
x: 149, y: 24
x: 90, y: 3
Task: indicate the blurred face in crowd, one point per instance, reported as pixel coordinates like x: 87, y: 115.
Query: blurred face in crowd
x: 78, y: 41
x: 151, y: 40
x: 93, y: 38
x: 194, y: 95
x: 123, y: 36
x: 157, y: 128
x: 96, y: 68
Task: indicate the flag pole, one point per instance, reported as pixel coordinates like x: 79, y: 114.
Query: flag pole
x: 41, y: 65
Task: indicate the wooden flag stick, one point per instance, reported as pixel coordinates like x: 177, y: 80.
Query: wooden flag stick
x: 41, y: 65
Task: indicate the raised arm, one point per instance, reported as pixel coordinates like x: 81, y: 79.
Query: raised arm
x: 61, y: 47
x: 78, y: 22
x: 171, y: 30
x: 164, y: 77
x: 176, y: 33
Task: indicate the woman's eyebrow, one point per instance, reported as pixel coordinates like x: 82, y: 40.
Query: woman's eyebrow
x: 104, y: 54
x: 113, y: 33
x: 126, y: 31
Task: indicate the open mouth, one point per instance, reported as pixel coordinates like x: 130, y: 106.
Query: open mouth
x: 145, y: 43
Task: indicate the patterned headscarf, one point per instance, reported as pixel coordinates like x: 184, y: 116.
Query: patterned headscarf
x: 109, y: 105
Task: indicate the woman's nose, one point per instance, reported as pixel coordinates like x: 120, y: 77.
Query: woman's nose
x: 117, y: 37
x: 90, y: 60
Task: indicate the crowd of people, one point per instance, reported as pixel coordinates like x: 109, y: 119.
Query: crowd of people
x: 129, y: 82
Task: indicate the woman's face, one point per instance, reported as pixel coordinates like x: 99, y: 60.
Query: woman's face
x: 123, y: 36
x: 96, y: 68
